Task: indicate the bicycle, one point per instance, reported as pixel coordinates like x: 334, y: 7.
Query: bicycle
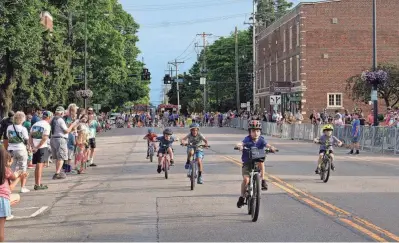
x: 325, y: 167
x: 151, y: 151
x: 252, y: 197
x: 193, y: 168
x: 165, y: 162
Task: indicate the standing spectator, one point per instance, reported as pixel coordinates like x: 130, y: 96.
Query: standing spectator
x: 28, y: 125
x: 58, y: 142
x: 355, y: 134
x: 347, y: 118
x: 35, y: 117
x: 362, y: 120
x: 299, y: 117
x: 17, y: 145
x: 3, y: 128
x: 93, y: 126
x: 370, y: 118
x: 39, y: 135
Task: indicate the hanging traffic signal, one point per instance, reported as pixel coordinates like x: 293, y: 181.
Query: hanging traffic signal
x: 167, y: 79
x: 145, y: 75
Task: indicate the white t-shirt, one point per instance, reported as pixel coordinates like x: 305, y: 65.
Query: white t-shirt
x: 59, y: 128
x: 37, y: 131
x: 14, y: 142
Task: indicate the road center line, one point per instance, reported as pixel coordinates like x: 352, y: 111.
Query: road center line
x: 293, y: 191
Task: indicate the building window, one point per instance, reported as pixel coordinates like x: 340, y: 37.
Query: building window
x: 298, y: 69
x: 276, y: 68
x: 291, y: 69
x: 284, y: 40
x: 334, y: 100
x: 290, y: 37
x: 285, y: 70
x: 297, y: 33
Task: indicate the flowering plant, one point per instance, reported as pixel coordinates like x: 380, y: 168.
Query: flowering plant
x: 375, y: 78
x: 85, y: 93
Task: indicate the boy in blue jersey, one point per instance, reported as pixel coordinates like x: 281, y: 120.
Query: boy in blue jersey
x: 253, y: 140
x: 165, y: 146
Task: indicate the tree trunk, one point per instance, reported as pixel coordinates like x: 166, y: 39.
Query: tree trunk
x: 6, y: 89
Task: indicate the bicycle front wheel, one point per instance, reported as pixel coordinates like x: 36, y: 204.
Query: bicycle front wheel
x: 193, y: 172
x: 327, y: 170
x: 166, y: 169
x: 256, y: 198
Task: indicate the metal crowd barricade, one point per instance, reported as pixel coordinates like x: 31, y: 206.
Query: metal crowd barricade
x: 374, y: 139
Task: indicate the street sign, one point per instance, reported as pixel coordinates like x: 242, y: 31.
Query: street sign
x: 374, y: 95
x: 275, y: 99
x: 202, y: 80
x: 282, y: 89
x: 243, y: 105
x: 248, y: 106
x: 179, y: 80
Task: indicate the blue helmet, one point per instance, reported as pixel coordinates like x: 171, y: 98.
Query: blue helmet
x: 150, y: 130
x: 194, y: 126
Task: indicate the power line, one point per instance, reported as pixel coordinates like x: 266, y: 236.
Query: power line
x: 194, y: 21
x: 192, y: 42
x: 202, y: 4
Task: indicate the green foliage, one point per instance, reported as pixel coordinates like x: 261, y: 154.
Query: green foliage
x: 270, y: 10
x: 43, y: 69
x: 389, y: 91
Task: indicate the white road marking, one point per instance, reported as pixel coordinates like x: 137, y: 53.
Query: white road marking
x: 39, y: 211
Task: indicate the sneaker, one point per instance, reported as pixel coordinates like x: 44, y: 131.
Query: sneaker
x: 332, y: 166
x: 159, y: 169
x: 40, y: 187
x: 172, y: 162
x: 10, y: 217
x: 317, y: 171
x: 148, y: 157
x: 24, y: 190
x: 59, y: 176
x: 241, y: 202
x: 92, y: 165
x: 350, y: 152
x: 187, y: 165
x: 200, y: 180
x: 264, y: 185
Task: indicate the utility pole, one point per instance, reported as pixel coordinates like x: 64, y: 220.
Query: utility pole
x: 237, y: 78
x: 253, y: 23
x: 85, y: 99
x: 204, y: 70
x: 176, y: 63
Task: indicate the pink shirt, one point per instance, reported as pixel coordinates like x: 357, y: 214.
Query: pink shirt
x: 5, y: 190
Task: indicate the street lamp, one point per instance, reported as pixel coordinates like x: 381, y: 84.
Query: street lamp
x: 375, y: 101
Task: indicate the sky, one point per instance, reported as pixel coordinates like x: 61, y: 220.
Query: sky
x: 168, y: 31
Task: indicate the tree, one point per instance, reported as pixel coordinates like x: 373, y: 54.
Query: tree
x: 269, y: 11
x: 388, y: 91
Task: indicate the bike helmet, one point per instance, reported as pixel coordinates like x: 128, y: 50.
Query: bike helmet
x: 167, y: 131
x: 254, y: 124
x: 150, y: 130
x: 194, y: 126
x: 328, y: 127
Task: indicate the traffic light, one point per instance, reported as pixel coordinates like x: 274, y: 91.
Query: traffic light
x: 167, y: 79
x: 145, y: 75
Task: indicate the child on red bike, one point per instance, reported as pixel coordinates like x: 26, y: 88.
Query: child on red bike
x: 151, y: 138
x: 254, y: 139
x: 165, y: 146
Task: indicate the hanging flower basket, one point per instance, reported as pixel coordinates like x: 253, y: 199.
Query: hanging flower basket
x: 375, y: 78
x: 84, y: 94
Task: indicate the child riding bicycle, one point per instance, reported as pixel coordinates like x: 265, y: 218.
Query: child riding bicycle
x: 151, y: 138
x: 254, y: 139
x: 194, y: 138
x: 165, y: 146
x: 327, y: 137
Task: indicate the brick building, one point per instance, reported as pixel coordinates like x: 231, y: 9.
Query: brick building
x: 316, y: 47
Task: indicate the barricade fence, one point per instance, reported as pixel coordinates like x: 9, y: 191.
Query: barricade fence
x: 383, y: 140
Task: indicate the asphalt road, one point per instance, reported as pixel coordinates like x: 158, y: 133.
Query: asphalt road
x: 125, y: 199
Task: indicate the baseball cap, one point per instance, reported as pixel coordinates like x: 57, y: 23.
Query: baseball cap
x: 60, y: 109
x: 10, y: 114
x: 46, y: 114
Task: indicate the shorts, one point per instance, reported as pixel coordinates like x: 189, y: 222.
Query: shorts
x: 246, y: 169
x: 20, y: 158
x: 355, y: 139
x: 59, y: 148
x: 197, y: 154
x: 323, y: 151
x: 92, y: 143
x: 41, y: 156
x: 5, y: 207
x: 71, y: 154
x: 163, y: 150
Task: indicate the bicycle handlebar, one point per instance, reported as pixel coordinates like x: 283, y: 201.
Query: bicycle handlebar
x: 195, y: 146
x: 266, y: 150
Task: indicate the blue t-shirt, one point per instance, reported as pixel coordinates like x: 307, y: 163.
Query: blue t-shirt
x: 71, y: 141
x: 331, y: 140
x: 355, y: 124
x: 248, y: 142
x: 163, y: 143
